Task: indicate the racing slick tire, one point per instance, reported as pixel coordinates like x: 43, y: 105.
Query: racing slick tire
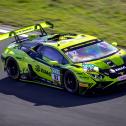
x: 70, y: 82
x: 12, y: 68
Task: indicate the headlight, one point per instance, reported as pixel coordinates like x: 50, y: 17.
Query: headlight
x: 90, y: 68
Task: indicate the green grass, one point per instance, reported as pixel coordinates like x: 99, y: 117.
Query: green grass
x: 103, y: 18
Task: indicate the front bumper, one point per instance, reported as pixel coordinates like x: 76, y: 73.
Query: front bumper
x: 102, y: 87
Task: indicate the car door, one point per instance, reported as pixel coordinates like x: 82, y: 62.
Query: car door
x: 45, y: 69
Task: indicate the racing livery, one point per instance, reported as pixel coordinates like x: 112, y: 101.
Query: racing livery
x: 76, y: 62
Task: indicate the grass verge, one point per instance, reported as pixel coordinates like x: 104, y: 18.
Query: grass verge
x: 105, y: 19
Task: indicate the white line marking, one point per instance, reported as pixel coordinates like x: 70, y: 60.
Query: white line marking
x: 3, y: 31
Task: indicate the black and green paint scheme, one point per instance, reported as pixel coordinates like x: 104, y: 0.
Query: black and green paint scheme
x: 37, y: 69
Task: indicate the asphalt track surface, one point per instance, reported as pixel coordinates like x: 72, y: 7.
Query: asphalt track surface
x: 24, y: 104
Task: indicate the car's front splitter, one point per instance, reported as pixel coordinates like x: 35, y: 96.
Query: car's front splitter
x: 102, y: 87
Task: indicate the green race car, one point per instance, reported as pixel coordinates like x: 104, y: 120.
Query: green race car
x: 76, y: 62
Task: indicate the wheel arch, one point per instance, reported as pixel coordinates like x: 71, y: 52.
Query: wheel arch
x: 23, y: 66
x: 65, y: 70
x: 10, y: 61
x: 5, y: 60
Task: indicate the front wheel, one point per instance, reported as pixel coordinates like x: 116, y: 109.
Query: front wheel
x: 12, y: 68
x: 70, y: 82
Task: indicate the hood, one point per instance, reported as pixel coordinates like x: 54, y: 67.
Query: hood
x: 113, y: 61
x: 117, y: 59
x: 112, y: 66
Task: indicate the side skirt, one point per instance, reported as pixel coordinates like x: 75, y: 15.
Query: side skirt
x: 48, y: 84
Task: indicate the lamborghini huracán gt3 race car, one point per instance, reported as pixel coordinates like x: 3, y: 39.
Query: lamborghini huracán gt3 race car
x: 76, y: 62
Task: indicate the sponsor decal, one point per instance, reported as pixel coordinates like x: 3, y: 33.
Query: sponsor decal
x: 25, y: 30
x: 90, y: 68
x: 121, y: 68
x: 56, y: 76
x: 120, y: 78
x: 39, y: 69
x: 117, y: 70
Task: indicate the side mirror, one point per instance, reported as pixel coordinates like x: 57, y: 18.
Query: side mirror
x: 114, y: 44
x: 54, y: 63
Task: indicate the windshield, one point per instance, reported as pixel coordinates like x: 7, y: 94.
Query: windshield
x: 91, y: 51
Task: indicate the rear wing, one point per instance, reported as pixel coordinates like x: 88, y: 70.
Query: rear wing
x: 28, y: 29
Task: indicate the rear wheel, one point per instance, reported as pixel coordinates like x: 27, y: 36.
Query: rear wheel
x: 12, y: 68
x: 70, y: 82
